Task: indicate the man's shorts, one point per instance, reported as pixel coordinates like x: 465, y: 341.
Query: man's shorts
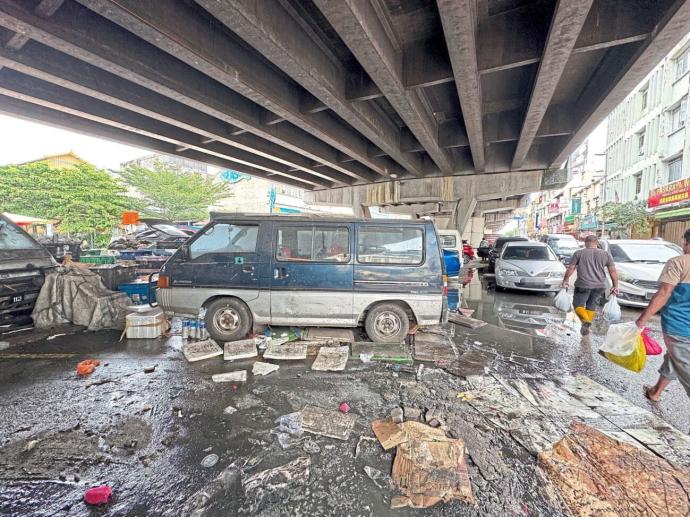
x: 676, y: 365
x: 590, y: 299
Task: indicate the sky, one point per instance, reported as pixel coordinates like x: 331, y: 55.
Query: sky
x: 23, y: 141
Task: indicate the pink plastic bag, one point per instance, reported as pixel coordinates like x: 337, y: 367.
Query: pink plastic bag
x: 650, y: 344
x: 98, y: 495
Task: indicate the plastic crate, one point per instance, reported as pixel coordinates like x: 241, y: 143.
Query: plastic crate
x: 114, y: 274
x: 91, y: 253
x: 97, y: 259
x: 138, y: 292
x: 135, y: 254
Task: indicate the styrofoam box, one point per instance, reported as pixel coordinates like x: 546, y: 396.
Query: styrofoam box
x: 146, y: 325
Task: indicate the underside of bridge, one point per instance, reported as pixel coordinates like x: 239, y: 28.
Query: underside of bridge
x: 326, y: 94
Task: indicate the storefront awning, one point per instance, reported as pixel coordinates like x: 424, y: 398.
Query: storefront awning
x: 670, y: 214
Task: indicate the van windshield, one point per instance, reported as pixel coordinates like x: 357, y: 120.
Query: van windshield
x: 13, y: 238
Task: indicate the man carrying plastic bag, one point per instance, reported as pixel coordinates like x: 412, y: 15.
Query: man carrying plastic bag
x: 591, y: 264
x: 624, y: 346
x: 673, y: 300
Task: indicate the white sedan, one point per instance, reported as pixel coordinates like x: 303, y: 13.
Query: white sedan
x: 530, y: 266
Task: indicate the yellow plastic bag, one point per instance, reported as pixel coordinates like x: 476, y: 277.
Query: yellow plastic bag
x: 634, y: 362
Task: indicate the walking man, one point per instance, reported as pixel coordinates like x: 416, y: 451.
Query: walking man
x: 673, y: 300
x: 591, y: 264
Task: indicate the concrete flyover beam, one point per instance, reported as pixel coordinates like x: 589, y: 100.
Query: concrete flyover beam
x: 272, y: 29
x: 46, y: 9
x: 90, y: 38
x: 60, y: 69
x: 32, y: 112
x: 568, y: 19
x: 182, y: 31
x: 496, y: 205
x: 459, y: 19
x: 601, y: 94
x: 361, y: 28
x: 19, y: 86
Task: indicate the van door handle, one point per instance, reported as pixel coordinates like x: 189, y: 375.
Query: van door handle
x: 248, y: 269
x: 279, y: 272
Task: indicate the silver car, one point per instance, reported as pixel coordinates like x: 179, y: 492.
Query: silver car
x: 639, y: 264
x: 530, y: 266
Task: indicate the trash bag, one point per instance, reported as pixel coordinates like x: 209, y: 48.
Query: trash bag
x: 612, y: 311
x: 563, y: 302
x: 624, y: 346
x: 635, y: 362
x: 650, y: 344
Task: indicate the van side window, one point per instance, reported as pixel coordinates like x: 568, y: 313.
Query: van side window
x: 225, y: 238
x: 313, y: 244
x: 390, y: 245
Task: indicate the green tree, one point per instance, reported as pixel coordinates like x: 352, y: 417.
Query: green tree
x: 86, y: 200
x: 631, y: 216
x: 171, y: 193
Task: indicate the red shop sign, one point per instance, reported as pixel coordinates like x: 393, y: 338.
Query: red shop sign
x: 671, y: 193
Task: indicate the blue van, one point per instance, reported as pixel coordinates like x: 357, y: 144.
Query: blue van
x: 308, y: 271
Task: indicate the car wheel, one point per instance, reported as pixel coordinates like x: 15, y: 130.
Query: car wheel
x: 228, y: 319
x: 465, y: 258
x: 387, y: 323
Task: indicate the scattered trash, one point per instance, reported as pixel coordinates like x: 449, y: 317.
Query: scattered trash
x: 4, y: 345
x: 328, y: 423
x: 236, y: 376
x: 387, y: 352
x: 98, y: 495
x: 465, y: 395
x: 283, y: 478
x: 87, y: 366
x: 286, y: 352
x: 465, y: 321
x: 433, y: 347
x: 243, y: 349
x: 260, y: 368
x: 596, y: 474
x: 344, y: 407
x: 397, y: 415
x: 311, y: 447
x: 433, y: 417
x: 380, y: 479
x: 412, y: 413
x: 472, y: 362
x: 428, y: 468
x: 50, y: 338
x: 331, y: 358
x: 209, y: 461
x: 150, y: 369
x: 229, y: 410
x: 289, y: 430
x: 200, y: 350
x: 359, y: 442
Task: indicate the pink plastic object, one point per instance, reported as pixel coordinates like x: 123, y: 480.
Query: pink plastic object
x: 650, y: 344
x: 98, y: 495
x: 344, y: 407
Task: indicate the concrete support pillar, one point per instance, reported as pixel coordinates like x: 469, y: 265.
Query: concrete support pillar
x: 463, y: 212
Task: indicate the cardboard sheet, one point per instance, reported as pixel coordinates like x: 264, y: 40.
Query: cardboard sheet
x: 292, y: 351
x: 325, y: 422
x: 236, y: 376
x: 260, y: 368
x: 331, y: 359
x: 200, y: 350
x: 243, y: 349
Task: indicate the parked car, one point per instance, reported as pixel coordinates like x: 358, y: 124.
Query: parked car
x: 452, y: 262
x: 23, y: 265
x: 530, y: 266
x: 157, y: 233
x: 298, y: 270
x: 639, y: 264
x: 497, y: 247
x: 562, y: 244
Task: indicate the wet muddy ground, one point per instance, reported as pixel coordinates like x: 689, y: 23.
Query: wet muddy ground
x: 146, y: 434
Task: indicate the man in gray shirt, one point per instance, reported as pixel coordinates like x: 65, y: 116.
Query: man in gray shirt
x: 591, y: 264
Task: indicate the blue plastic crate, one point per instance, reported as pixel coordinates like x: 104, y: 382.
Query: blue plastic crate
x: 138, y: 292
x: 135, y: 254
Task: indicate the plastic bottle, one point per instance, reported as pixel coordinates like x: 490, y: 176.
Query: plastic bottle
x: 185, y: 329
x: 193, y: 330
x: 202, y: 328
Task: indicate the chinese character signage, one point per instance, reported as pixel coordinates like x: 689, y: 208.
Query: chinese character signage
x: 554, y: 207
x: 576, y: 205
x: 669, y: 194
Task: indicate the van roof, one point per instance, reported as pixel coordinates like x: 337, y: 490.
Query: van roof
x: 228, y: 216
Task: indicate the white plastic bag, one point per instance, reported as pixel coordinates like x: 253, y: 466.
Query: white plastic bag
x: 563, y: 302
x: 612, y: 311
x: 621, y: 339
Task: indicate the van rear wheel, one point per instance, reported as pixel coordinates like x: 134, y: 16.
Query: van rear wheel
x: 228, y: 319
x: 387, y: 323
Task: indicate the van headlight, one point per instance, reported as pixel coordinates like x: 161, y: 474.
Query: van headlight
x: 507, y: 272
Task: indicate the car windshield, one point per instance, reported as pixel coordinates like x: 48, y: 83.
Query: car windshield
x: 528, y: 253
x: 565, y: 243
x: 12, y: 238
x: 502, y: 242
x: 657, y: 253
x: 169, y: 229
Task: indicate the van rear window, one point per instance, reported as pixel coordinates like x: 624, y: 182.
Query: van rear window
x: 390, y: 245
x: 313, y: 244
x: 448, y: 241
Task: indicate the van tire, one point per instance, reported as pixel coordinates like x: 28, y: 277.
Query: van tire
x: 228, y: 319
x: 387, y: 323
x: 466, y: 259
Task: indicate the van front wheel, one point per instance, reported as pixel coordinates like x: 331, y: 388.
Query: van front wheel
x: 228, y: 319
x: 387, y: 323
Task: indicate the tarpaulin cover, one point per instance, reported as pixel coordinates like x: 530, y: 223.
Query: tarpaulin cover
x: 597, y: 475
x: 76, y: 295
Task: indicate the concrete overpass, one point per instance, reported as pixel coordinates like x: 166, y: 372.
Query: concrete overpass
x: 343, y: 95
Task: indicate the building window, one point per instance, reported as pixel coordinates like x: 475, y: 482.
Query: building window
x: 675, y: 169
x: 644, y: 96
x: 640, y: 142
x: 682, y: 64
x: 678, y: 115
x: 638, y: 183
